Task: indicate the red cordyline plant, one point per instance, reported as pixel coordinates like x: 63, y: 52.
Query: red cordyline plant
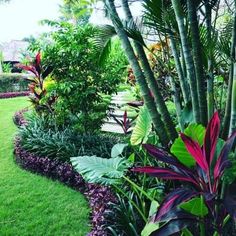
x: 203, y: 185
x: 125, y: 123
x: 36, y: 86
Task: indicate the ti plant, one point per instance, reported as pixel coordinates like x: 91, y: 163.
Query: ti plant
x: 125, y: 123
x: 199, y: 200
x: 36, y: 86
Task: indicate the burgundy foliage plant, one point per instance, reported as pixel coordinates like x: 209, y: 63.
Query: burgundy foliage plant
x: 203, y: 181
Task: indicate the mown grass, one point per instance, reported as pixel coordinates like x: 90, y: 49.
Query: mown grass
x: 32, y: 204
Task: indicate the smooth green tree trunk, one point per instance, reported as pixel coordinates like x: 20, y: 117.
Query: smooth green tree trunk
x: 227, y: 115
x: 210, y: 76
x: 233, y: 105
x: 152, y: 80
x: 182, y: 79
x: 176, y: 99
x: 150, y: 103
x: 197, y: 58
x: 187, y: 58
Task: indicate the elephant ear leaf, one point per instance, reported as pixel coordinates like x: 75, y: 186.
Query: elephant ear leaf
x: 99, y: 170
x: 142, y: 127
x: 118, y: 149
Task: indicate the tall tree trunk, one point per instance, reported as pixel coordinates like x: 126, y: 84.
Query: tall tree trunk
x: 176, y: 99
x: 197, y: 58
x: 183, y: 62
x: 152, y: 80
x: 233, y: 105
x: 210, y: 77
x: 227, y: 115
x: 183, y: 83
x: 188, y: 58
x: 156, y: 118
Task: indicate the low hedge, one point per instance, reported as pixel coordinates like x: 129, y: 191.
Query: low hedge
x: 14, y: 94
x: 13, y: 82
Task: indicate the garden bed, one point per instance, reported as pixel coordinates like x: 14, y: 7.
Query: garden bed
x: 14, y: 94
x: 99, y: 197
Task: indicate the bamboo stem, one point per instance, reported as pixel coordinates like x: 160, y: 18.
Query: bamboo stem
x: 150, y: 103
x: 187, y: 58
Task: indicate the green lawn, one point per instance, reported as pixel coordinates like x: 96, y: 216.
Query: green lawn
x: 31, y: 204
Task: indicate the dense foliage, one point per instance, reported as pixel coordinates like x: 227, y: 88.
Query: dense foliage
x: 44, y: 138
x: 13, y: 83
x: 79, y: 84
x: 180, y: 81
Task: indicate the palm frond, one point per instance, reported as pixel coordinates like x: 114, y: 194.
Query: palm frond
x: 102, y: 41
x: 134, y: 30
x: 159, y: 15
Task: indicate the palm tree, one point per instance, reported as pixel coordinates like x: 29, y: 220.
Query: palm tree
x: 150, y: 103
x: 197, y: 58
x: 151, y: 79
x: 228, y: 116
x: 173, y: 20
x: 187, y: 58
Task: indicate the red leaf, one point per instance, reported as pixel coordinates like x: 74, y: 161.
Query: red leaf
x: 38, y: 59
x: 161, y: 155
x: 211, y: 137
x: 125, y: 118
x: 195, y: 150
x: 223, y: 161
x: 172, y: 200
x: 164, y: 173
x: 29, y: 68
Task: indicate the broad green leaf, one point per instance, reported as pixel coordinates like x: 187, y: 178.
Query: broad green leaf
x: 197, y: 133
x: 186, y: 232
x: 118, y: 149
x: 187, y: 114
x: 100, y: 170
x: 131, y: 158
x: 195, y: 206
x: 153, y: 208
x: 142, y: 127
x: 149, y: 228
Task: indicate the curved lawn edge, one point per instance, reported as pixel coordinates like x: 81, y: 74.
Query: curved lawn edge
x: 99, y: 197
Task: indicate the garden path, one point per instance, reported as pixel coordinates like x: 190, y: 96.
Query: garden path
x: 32, y: 204
x: 119, y: 104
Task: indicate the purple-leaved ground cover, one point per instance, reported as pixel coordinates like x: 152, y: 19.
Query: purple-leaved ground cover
x: 99, y: 197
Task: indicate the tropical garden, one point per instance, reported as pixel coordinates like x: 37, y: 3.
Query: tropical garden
x: 127, y: 128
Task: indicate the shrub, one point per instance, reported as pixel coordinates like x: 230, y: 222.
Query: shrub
x: 42, y: 137
x: 80, y: 83
x: 13, y: 82
x: 51, y: 168
x: 202, y: 175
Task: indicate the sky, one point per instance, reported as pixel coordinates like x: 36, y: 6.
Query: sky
x: 19, y: 18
